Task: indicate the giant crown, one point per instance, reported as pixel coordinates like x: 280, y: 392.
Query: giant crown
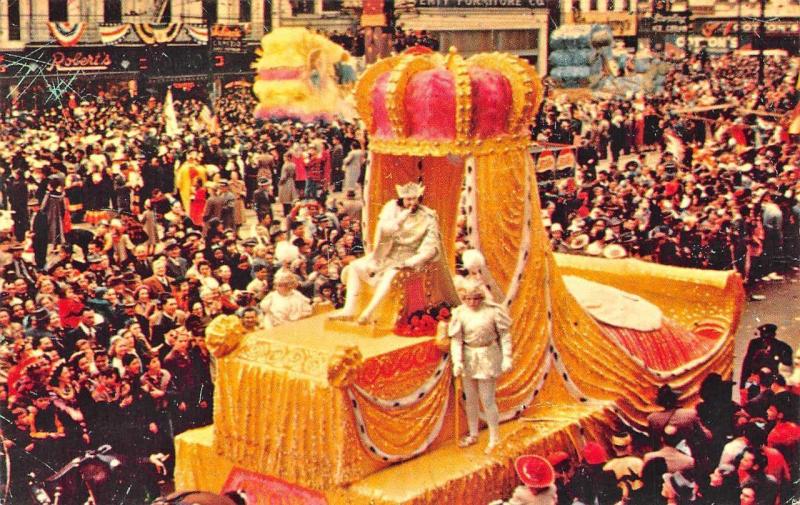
x: 425, y: 103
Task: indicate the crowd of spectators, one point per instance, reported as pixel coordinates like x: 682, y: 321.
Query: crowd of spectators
x: 109, y: 280
x: 719, y: 452
x: 397, y: 40
x: 701, y: 174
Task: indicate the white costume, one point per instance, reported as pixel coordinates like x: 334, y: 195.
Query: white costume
x: 279, y: 309
x: 480, y: 347
x: 403, y: 239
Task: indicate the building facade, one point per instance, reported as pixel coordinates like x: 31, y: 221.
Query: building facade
x: 717, y: 25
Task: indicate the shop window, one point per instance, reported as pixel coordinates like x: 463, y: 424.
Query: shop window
x: 57, y: 10
x: 112, y: 11
x: 14, y: 32
x: 332, y: 5
x: 267, y: 16
x: 302, y: 6
x: 245, y: 11
x: 210, y: 11
x: 515, y: 40
x: 467, y: 41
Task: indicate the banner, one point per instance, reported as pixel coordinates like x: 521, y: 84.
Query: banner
x: 545, y: 167
x: 372, y: 13
x: 152, y: 34
x: 623, y: 24
x: 482, y: 4
x: 197, y: 33
x: 565, y: 166
x: 111, y: 34
x: 66, y: 33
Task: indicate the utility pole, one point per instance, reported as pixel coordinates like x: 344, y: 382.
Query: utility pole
x: 761, y: 40
x: 738, y: 24
x: 210, y: 11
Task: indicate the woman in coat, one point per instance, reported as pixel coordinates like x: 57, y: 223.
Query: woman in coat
x: 54, y: 208
x: 352, y: 167
x: 237, y: 187
x: 287, y: 189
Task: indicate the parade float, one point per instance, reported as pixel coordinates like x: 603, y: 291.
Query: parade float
x: 301, y: 75
x: 323, y: 411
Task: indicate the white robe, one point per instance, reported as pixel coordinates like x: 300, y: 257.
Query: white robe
x: 279, y: 309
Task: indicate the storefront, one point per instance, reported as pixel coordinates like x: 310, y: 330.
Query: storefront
x: 725, y: 34
x: 517, y: 26
x: 783, y: 33
x: 42, y: 75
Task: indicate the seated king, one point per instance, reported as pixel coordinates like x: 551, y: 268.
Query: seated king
x: 407, y: 237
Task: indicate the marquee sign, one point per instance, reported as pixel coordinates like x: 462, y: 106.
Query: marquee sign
x: 675, y: 22
x: 79, y: 61
x: 622, y: 24
x: 481, y: 4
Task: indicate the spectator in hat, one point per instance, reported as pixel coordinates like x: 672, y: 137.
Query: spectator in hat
x: 626, y: 467
x: 538, y: 483
x: 765, y: 351
x: 562, y: 466
x: 18, y: 196
x: 685, y: 420
x: 602, y: 484
x: 21, y: 268
x: 262, y: 199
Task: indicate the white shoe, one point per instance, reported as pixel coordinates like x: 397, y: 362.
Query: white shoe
x: 490, y: 447
x: 775, y: 276
x: 468, y: 441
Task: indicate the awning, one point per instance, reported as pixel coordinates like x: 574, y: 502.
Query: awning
x: 57, y: 77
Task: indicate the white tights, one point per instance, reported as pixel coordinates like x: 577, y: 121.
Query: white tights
x: 485, y: 388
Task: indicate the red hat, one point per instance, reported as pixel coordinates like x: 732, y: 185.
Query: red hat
x: 558, y: 457
x: 535, y: 471
x: 594, y: 453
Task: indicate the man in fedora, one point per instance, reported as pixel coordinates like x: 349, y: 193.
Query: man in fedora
x: 407, y: 238
x: 765, y: 351
x: 19, y: 266
x: 685, y: 421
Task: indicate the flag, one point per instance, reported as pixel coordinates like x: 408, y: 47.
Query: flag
x: 674, y: 145
x: 794, y: 121
x: 739, y: 135
x: 170, y: 120
x: 209, y: 120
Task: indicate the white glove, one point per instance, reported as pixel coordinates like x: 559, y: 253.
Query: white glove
x: 505, y: 366
x: 458, y: 369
